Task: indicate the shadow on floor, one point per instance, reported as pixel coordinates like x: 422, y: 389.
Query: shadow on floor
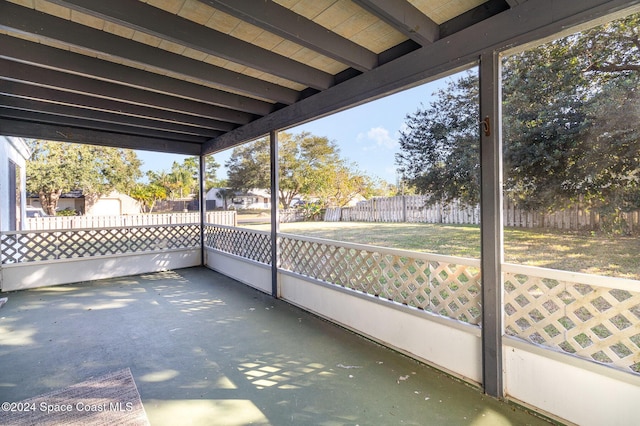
x: 205, y: 349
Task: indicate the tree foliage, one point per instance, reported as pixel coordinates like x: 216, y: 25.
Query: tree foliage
x: 248, y: 166
x: 309, y: 165
x: 210, y: 173
x: 58, y: 167
x: 180, y: 182
x: 344, y: 184
x: 571, y: 110
x: 570, y: 126
x: 149, y: 194
x: 543, y: 119
x: 439, y: 149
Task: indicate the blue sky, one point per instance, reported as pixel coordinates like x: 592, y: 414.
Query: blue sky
x: 367, y: 135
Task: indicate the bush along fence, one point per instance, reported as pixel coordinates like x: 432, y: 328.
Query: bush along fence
x: 413, y: 208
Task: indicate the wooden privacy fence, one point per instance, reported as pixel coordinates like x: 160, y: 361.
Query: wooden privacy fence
x: 404, y: 209
x: 76, y: 222
x: 413, y: 208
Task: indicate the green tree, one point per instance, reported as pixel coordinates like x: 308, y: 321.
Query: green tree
x: 343, y: 185
x: 248, y: 166
x: 58, y: 167
x: 571, y: 111
x: 544, y: 118
x: 149, y: 194
x: 47, y: 174
x: 439, y: 150
x: 210, y: 173
x: 610, y: 162
x: 183, y: 178
x: 308, y: 165
x: 570, y: 134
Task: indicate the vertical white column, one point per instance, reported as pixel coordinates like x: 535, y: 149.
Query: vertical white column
x: 275, y: 219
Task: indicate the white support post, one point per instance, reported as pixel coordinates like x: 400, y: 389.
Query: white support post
x: 203, y: 205
x: 275, y: 219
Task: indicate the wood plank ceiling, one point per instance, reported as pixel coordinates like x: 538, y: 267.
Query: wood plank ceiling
x: 192, y: 77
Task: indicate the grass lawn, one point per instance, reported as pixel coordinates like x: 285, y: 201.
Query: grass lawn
x: 601, y: 255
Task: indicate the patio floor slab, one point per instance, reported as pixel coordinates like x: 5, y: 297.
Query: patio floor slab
x: 205, y: 349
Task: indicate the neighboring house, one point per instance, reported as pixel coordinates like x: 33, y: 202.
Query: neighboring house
x: 113, y: 204
x: 13, y: 175
x: 72, y: 200
x: 220, y: 198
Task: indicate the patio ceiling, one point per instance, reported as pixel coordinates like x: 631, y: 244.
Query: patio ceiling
x: 195, y: 77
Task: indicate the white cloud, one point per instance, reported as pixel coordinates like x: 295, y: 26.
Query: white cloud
x: 380, y: 138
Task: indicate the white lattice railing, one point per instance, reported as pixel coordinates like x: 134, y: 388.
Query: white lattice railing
x: 33, y: 246
x: 589, y: 316
x: 247, y: 243
x: 445, y: 285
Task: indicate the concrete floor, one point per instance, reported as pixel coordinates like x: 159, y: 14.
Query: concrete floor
x: 204, y: 349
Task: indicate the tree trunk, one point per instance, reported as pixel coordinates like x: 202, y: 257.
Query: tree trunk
x: 49, y: 201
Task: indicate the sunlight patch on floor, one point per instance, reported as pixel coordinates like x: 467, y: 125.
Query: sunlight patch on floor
x: 282, y: 374
x: 222, y: 412
x: 159, y: 376
x: 489, y: 417
x: 22, y: 337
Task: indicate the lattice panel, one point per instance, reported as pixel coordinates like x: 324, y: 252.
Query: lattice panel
x: 596, y: 323
x: 164, y: 237
x: 456, y: 291
x: 50, y: 245
x: 28, y: 247
x: 91, y: 242
x: 446, y: 289
x: 240, y: 242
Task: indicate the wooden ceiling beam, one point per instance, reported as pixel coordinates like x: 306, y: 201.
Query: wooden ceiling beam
x: 93, y: 115
x: 281, y: 21
x: 471, y: 17
x: 27, y: 129
x: 167, y: 26
x: 404, y: 17
x: 60, y: 120
x: 38, y: 54
x: 22, y: 20
x: 15, y: 71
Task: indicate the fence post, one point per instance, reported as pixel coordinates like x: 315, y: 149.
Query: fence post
x: 404, y: 208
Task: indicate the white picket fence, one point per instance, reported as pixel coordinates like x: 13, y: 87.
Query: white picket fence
x: 413, y: 208
x: 228, y: 218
